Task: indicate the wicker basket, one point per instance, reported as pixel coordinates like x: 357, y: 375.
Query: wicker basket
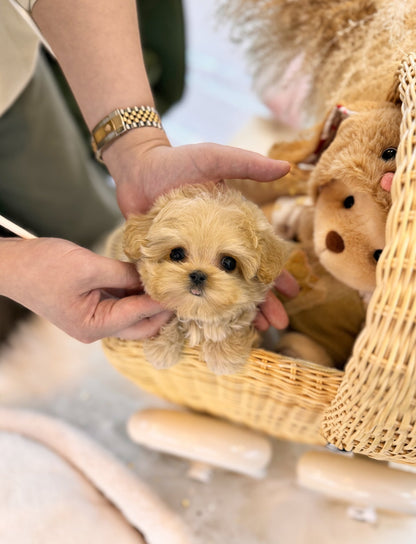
x: 371, y: 407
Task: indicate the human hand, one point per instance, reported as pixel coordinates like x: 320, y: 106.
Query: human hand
x: 86, y: 295
x: 272, y: 312
x: 145, y: 168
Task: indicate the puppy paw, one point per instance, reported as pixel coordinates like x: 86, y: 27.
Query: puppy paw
x: 164, y: 350
x: 161, y: 354
x: 221, y: 358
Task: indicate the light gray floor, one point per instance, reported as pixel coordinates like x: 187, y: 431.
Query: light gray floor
x: 45, y: 370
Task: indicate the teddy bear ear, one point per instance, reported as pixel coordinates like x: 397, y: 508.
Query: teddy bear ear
x: 328, y: 131
x: 295, y: 181
x: 299, y: 150
x: 303, y: 154
x: 134, y: 235
x: 307, y: 150
x: 393, y: 94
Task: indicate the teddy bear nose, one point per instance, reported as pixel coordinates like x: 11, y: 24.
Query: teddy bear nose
x: 334, y: 242
x: 198, y: 277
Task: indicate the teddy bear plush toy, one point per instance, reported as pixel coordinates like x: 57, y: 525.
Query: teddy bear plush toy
x: 341, y: 177
x: 338, y: 231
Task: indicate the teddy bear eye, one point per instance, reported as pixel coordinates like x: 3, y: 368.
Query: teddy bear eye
x: 228, y: 263
x: 177, y: 254
x: 349, y: 202
x: 377, y: 254
x: 389, y: 154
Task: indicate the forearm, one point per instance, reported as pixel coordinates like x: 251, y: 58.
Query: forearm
x: 16, y: 269
x: 98, y: 47
x: 71, y: 287
x: 22, y: 263
x: 10, y: 249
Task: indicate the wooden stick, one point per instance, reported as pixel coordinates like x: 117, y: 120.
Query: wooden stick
x: 19, y: 231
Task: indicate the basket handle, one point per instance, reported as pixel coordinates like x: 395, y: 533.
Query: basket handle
x: 374, y: 411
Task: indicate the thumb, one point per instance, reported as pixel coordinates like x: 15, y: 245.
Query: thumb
x: 138, y: 314
x: 220, y: 162
x: 114, y: 274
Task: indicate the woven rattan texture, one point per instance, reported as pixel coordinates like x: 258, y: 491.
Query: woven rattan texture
x: 374, y: 411
x: 371, y: 408
x: 279, y: 396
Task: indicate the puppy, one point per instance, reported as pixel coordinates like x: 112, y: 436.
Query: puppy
x: 210, y: 256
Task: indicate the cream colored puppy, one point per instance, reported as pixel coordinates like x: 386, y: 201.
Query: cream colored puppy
x: 210, y: 256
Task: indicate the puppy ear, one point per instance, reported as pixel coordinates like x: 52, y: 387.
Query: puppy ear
x: 134, y: 235
x: 273, y: 253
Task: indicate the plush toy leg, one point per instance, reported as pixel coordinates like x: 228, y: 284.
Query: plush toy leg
x: 299, y: 346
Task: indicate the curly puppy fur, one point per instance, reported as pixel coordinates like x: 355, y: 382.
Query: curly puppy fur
x: 210, y: 256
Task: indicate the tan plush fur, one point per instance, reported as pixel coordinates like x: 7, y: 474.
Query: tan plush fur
x: 335, y: 51
x: 210, y: 256
x: 349, y: 202
x: 347, y: 233
x: 307, y: 56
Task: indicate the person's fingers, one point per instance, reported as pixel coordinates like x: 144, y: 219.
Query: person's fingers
x: 110, y: 274
x: 146, y: 328
x: 274, y: 311
x: 260, y: 322
x: 112, y: 316
x: 217, y: 162
x: 286, y: 284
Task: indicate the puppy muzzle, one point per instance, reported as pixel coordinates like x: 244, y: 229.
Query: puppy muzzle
x: 197, y: 282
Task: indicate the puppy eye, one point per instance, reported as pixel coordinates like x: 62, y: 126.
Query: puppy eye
x: 177, y: 254
x: 349, y: 202
x: 228, y: 263
x: 389, y: 154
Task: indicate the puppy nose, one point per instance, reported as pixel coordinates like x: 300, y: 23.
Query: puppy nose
x: 334, y: 242
x: 197, y: 277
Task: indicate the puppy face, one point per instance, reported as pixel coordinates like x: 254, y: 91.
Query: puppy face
x: 351, y: 189
x: 205, y: 253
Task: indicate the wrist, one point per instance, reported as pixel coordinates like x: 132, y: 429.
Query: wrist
x: 119, y: 122
x: 133, y: 164
x: 11, y: 251
x: 133, y: 144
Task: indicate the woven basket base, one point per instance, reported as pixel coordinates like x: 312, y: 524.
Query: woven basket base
x: 282, y: 397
